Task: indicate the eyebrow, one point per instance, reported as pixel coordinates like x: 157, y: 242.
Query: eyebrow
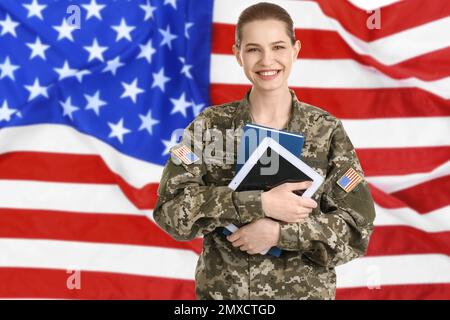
x: 255, y: 44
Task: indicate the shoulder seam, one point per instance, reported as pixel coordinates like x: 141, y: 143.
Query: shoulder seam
x: 321, y: 111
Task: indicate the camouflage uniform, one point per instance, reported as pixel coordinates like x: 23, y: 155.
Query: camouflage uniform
x: 194, y: 200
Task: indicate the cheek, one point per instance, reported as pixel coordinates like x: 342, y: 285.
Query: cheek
x: 286, y: 60
x: 287, y: 63
x: 249, y: 60
x: 248, y: 64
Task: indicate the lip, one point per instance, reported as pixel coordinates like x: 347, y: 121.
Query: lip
x: 267, y: 70
x: 268, y: 78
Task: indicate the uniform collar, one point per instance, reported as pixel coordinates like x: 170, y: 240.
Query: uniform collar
x: 294, y: 124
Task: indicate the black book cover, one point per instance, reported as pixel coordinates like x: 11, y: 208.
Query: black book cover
x: 257, y: 179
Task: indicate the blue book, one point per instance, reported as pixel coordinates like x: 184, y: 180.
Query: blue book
x: 254, y: 134
x: 250, y: 140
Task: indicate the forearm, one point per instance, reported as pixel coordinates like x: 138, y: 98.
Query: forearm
x: 329, y: 239
x: 198, y: 210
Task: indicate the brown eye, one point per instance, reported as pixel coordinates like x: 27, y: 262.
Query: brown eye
x: 252, y: 50
x: 278, y: 47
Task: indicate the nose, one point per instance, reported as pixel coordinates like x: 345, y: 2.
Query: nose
x: 266, y: 58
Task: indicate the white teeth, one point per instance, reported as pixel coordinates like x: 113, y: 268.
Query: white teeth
x: 268, y: 73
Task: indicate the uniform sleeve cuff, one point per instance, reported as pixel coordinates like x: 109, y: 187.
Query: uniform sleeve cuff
x: 249, y: 207
x: 289, y: 236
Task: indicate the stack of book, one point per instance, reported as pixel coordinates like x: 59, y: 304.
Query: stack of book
x: 267, y: 158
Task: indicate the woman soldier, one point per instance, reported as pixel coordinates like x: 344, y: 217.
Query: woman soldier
x: 315, y: 235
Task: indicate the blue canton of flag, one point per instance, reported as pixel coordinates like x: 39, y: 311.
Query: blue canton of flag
x: 126, y: 72
x: 191, y: 156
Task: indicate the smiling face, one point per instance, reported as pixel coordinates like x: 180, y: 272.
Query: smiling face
x: 266, y: 54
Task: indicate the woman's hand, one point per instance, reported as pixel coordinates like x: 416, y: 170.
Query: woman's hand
x: 257, y: 236
x: 280, y: 203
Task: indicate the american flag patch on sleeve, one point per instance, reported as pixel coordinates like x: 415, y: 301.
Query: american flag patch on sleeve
x: 185, y: 154
x: 349, y: 180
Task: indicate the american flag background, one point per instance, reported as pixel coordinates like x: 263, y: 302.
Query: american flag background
x: 92, y: 92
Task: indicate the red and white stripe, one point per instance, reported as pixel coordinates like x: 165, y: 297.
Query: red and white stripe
x: 71, y: 202
x: 390, y: 88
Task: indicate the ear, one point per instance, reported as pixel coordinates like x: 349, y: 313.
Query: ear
x: 237, y: 54
x: 297, y: 48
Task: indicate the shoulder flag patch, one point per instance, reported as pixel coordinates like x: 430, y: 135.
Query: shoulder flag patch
x: 185, y: 154
x: 349, y: 180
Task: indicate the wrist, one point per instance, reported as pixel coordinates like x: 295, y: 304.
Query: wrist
x: 276, y: 232
x: 266, y: 213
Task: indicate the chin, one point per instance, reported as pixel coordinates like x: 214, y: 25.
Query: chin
x: 267, y: 86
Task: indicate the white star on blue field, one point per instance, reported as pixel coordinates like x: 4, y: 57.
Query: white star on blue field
x: 129, y: 74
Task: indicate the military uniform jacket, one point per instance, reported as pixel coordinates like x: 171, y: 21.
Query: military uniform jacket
x: 194, y: 200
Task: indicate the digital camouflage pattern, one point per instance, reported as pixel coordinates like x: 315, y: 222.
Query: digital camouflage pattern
x: 194, y: 200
